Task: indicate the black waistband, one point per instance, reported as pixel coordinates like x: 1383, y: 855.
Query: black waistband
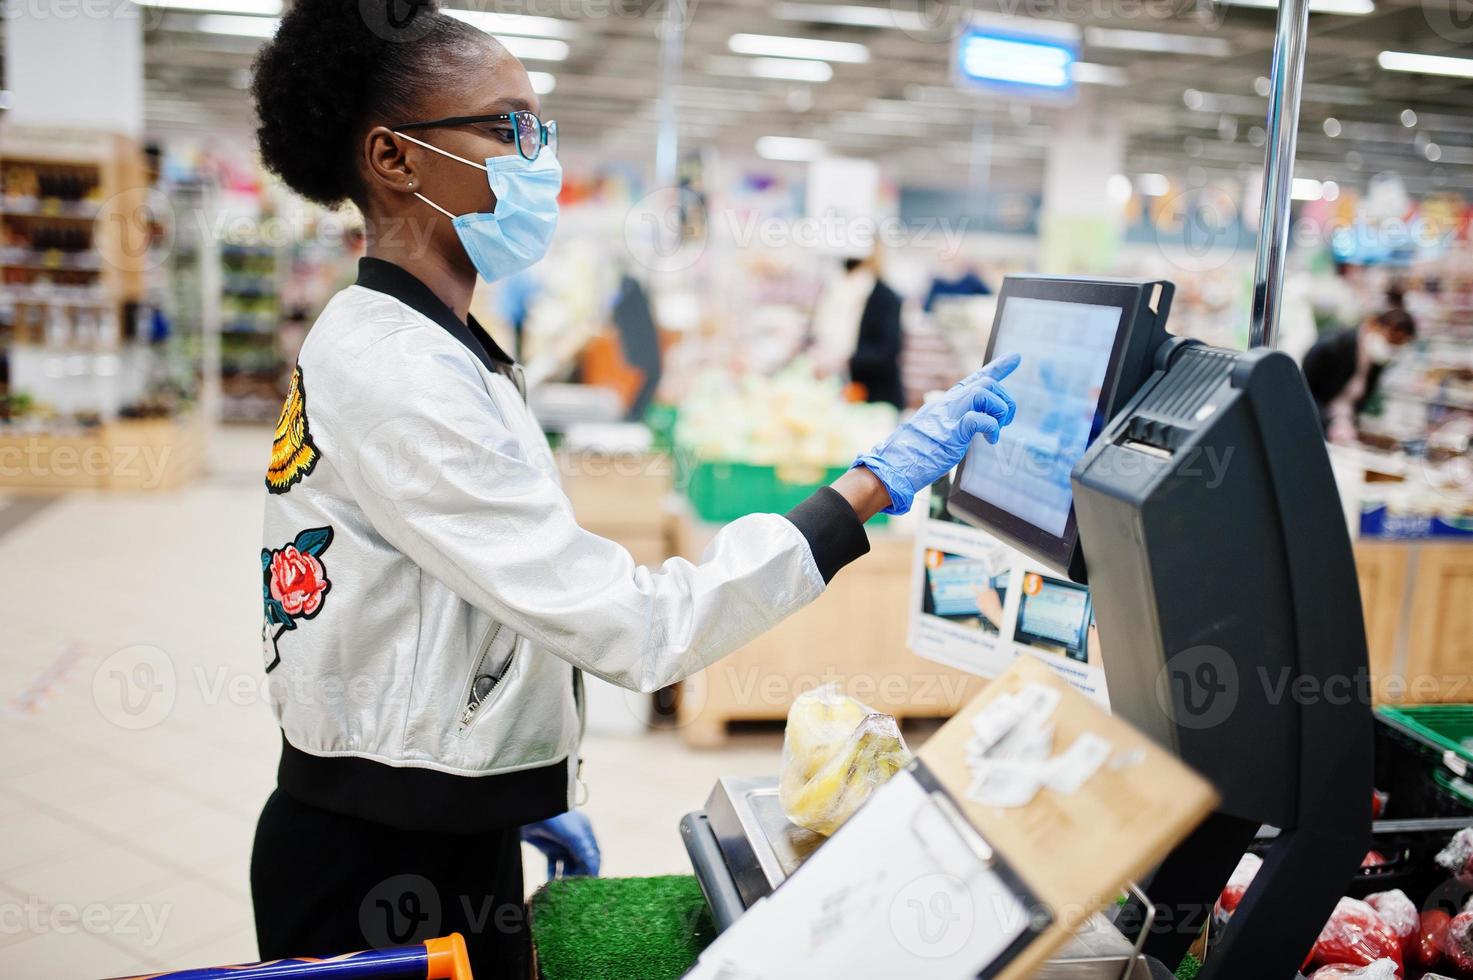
x: 412, y: 798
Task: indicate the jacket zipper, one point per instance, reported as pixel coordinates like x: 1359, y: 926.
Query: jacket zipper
x: 477, y: 693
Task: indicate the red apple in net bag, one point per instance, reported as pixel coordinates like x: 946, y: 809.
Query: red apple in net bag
x: 1379, y: 970
x: 1458, y: 945
x: 1355, y: 935
x: 1431, y: 935
x: 1400, y: 913
x: 1457, y: 858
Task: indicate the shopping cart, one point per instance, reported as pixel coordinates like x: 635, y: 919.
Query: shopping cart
x: 434, y: 959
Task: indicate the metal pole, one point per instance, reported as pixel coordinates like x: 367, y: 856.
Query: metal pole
x: 672, y: 44
x: 1278, y: 169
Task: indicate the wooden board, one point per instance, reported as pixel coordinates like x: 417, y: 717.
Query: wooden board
x: 1077, y: 851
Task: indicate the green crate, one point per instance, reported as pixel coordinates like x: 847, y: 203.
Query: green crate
x: 1448, y: 727
x: 661, y: 419
x: 722, y: 491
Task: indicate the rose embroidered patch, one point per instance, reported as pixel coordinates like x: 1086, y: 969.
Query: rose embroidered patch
x: 293, y: 454
x: 294, y: 584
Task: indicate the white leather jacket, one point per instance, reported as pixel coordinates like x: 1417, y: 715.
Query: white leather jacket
x: 430, y: 598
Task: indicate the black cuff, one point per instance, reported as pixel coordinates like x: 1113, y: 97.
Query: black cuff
x: 834, y: 532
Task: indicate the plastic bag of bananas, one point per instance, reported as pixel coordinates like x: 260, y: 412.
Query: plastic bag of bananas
x: 836, y: 751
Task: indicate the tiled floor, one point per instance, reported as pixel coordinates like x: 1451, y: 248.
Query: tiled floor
x: 125, y: 825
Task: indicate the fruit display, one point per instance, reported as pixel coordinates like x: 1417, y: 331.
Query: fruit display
x: 791, y: 418
x: 836, y: 751
x: 1431, y: 937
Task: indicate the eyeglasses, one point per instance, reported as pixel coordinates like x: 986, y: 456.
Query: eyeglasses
x: 531, y: 134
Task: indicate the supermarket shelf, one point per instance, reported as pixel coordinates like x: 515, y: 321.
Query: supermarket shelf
x: 57, y: 295
x: 49, y: 207
x: 31, y: 258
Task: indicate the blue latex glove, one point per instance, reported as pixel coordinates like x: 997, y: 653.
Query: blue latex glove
x: 568, y: 842
x: 935, y: 439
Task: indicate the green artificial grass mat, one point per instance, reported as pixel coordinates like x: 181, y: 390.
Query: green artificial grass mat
x: 619, y: 928
x: 1189, y: 968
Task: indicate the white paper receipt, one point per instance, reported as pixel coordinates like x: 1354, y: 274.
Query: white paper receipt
x: 1011, y: 751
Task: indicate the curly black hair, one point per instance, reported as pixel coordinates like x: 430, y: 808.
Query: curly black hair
x: 338, y: 67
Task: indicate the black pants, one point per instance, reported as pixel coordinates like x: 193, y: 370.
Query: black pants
x: 324, y: 884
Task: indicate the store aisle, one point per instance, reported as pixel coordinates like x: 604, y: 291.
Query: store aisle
x: 136, y: 747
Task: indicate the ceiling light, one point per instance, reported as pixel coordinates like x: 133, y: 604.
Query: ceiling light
x: 263, y: 27
x: 789, y: 148
x: 1118, y: 189
x: 535, y: 48
x: 772, y: 45
x: 1425, y: 64
x: 1089, y: 73
x: 253, y: 8
x: 1157, y: 42
x: 543, y: 82
x: 1152, y: 185
x: 524, y: 25
x: 1330, y: 191
x: 791, y: 69
x: 1262, y: 85
x: 1332, y: 127
x: 1306, y: 189
x: 852, y: 15
x: 1351, y: 8
x: 1408, y: 118
x: 1432, y: 152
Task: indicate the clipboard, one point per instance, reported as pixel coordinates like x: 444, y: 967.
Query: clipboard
x: 908, y: 885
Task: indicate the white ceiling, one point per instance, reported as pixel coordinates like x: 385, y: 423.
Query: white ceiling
x: 1181, y: 111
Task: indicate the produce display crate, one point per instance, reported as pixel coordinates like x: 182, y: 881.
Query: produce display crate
x: 1445, y: 726
x: 1412, y: 764
x: 722, y: 491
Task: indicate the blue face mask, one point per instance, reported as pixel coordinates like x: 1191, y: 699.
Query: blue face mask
x: 518, y: 232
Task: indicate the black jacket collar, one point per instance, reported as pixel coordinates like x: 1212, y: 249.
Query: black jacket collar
x: 392, y: 280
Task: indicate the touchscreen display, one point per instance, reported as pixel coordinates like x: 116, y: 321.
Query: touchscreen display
x: 1066, y: 351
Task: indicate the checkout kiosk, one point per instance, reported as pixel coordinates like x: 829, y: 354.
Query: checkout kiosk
x: 1190, y: 489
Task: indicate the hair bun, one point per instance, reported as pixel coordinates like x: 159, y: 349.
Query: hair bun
x: 333, y: 67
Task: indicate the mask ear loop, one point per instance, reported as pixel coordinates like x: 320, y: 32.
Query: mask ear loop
x: 445, y: 153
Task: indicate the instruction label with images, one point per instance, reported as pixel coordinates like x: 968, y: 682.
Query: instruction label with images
x: 977, y: 604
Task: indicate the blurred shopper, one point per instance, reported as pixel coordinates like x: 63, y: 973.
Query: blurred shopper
x: 836, y: 317
x: 875, y: 363
x: 429, y: 600
x: 1343, y: 369
x: 967, y: 281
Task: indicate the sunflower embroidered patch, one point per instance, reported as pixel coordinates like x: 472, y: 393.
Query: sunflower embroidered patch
x: 293, y: 454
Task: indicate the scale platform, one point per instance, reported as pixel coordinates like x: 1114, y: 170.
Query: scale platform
x: 742, y: 847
